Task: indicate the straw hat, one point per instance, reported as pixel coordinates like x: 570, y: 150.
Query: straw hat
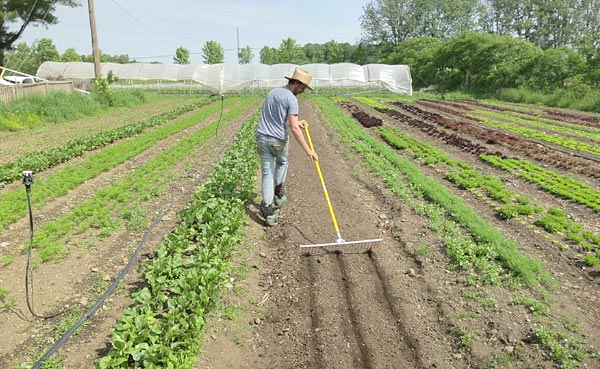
x: 302, y: 76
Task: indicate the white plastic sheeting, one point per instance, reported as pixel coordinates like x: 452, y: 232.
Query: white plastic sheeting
x: 221, y: 78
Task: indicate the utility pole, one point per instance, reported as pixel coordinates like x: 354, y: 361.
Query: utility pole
x: 95, y: 49
x: 237, y: 30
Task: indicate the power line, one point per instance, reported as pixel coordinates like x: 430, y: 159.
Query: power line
x: 162, y: 19
x: 139, y: 21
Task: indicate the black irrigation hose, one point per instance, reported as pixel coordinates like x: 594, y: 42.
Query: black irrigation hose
x: 220, y: 115
x: 28, y: 181
x: 61, y: 341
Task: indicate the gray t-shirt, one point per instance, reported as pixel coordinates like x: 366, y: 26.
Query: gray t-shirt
x: 279, y: 104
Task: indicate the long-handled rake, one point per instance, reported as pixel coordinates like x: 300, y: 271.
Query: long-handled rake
x: 339, y: 241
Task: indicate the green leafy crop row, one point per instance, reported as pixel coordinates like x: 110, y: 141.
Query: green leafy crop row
x: 13, y: 204
x: 37, y: 161
x: 163, y: 328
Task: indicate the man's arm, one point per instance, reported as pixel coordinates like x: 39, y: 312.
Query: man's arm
x: 296, y: 127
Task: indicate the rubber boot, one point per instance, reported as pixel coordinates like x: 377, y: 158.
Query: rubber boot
x: 280, y: 196
x: 269, y: 213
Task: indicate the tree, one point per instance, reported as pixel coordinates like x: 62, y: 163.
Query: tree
x: 334, y: 52
x: 21, y: 59
x: 485, y: 61
x: 555, y: 66
x: 212, y: 52
x: 548, y: 24
x: 45, y: 50
x: 290, y: 52
x: 268, y: 55
x: 419, y: 54
x: 27, y: 59
x: 21, y: 13
x: 366, y: 53
x: 393, y: 21
x: 315, y: 53
x: 70, y: 55
x: 182, y: 56
x: 246, y: 55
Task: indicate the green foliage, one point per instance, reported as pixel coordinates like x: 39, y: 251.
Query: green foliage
x: 12, y: 206
x: 555, y: 66
x: 290, y: 52
x: 565, y: 349
x: 393, y: 21
x: 111, y: 77
x: 268, y: 55
x: 55, y: 107
x: 27, y: 59
x: 213, y: 53
x: 163, y: 328
x: 70, y: 55
x: 557, y: 98
x: 103, y: 93
x: 533, y: 306
x: 5, y: 303
x: 510, y: 211
x: 488, y: 249
x: 182, y: 56
x: 483, y: 61
x: 463, y: 337
x: 245, y: 55
x: 419, y: 54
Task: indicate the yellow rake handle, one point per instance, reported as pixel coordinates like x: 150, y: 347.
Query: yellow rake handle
x: 331, y: 213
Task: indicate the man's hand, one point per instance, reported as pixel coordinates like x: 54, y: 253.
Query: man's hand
x: 302, y: 123
x: 313, y: 155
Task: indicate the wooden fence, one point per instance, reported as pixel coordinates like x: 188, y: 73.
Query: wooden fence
x: 17, y: 91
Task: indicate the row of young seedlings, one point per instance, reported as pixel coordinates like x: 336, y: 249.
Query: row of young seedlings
x: 13, y: 205
x: 555, y: 221
x: 184, y: 278
x: 527, y: 119
x: 580, y: 121
x: 486, y: 255
x: 137, y: 187
x: 565, y: 142
x: 40, y: 160
x: 519, y: 126
x: 514, y: 142
x: 467, y: 177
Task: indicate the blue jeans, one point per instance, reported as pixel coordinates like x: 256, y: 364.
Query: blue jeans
x: 273, y: 155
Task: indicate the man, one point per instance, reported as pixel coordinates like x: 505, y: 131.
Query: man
x: 279, y: 117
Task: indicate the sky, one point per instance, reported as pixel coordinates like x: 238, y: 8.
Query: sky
x: 151, y: 30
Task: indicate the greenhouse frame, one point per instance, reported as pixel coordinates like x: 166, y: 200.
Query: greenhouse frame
x: 223, y: 78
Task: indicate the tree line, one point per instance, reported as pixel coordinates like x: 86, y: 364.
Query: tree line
x: 475, y: 44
